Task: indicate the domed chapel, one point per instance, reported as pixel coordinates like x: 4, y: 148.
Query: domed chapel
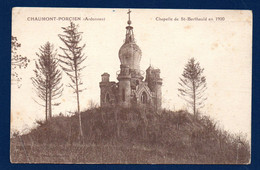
x: 131, y: 88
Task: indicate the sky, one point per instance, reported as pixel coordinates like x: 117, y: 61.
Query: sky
x: 223, y: 46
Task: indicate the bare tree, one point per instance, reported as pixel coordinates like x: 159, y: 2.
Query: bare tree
x: 193, y: 85
x: 47, y: 80
x: 71, y: 62
x: 17, y: 61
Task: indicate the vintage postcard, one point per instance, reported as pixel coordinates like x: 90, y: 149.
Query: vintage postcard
x: 131, y: 86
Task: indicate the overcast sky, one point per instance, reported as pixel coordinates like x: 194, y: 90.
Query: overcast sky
x: 223, y: 48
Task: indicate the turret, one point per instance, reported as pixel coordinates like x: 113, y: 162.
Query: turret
x: 124, y: 86
x: 105, y: 77
x: 154, y: 82
x: 158, y: 93
x: 104, y: 86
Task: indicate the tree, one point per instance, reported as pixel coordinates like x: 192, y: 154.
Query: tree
x: 193, y: 85
x: 17, y: 61
x: 71, y: 62
x: 47, y: 80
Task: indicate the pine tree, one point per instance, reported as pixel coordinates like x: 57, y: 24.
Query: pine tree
x: 47, y: 80
x: 193, y: 85
x: 71, y: 62
x: 17, y: 61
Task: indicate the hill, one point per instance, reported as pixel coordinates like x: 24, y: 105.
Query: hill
x: 135, y: 136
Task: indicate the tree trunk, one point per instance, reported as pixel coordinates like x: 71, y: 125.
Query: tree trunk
x: 46, y: 104
x: 50, y: 112
x: 77, y: 91
x: 194, y: 99
x: 49, y: 82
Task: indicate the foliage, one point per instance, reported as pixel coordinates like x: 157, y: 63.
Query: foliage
x: 71, y: 61
x: 193, y: 85
x: 17, y: 61
x: 47, y: 80
x: 137, y: 135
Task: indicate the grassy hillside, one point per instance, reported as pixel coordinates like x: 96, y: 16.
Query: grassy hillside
x: 139, y: 135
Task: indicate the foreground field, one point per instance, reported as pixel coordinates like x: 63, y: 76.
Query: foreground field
x: 106, y: 154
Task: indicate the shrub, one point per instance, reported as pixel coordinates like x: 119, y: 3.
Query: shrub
x: 175, y: 134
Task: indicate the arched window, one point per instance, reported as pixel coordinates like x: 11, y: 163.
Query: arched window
x: 107, y: 98
x: 123, y: 95
x: 144, y: 98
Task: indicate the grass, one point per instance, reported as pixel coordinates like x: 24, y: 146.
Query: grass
x: 130, y: 136
x: 98, y: 154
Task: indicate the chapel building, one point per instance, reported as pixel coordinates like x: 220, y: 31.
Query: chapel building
x: 131, y: 89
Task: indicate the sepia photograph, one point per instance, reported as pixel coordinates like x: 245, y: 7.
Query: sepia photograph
x: 130, y: 86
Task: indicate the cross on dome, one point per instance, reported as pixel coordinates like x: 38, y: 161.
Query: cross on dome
x: 129, y: 21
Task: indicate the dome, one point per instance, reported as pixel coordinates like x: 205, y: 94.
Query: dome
x: 130, y: 54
